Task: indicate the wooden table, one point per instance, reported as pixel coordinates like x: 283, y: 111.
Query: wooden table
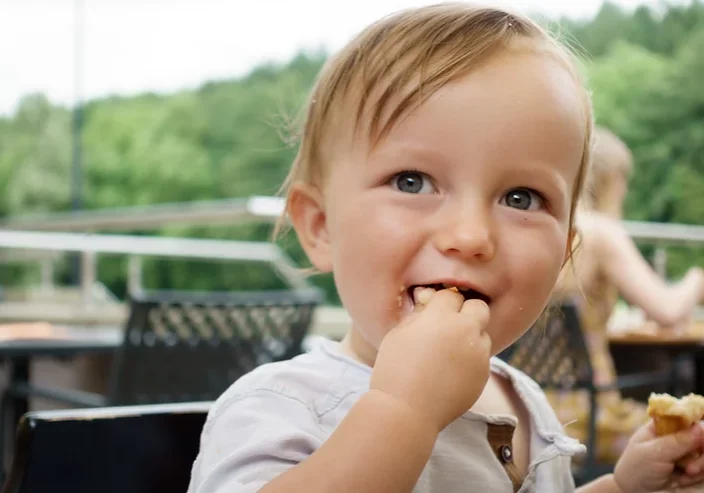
x: 650, y: 334
x: 678, y: 345
x: 42, y: 339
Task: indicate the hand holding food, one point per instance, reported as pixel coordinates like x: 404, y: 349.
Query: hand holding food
x: 671, y: 415
x: 437, y: 361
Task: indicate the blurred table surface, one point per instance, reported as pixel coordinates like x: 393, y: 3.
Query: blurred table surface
x: 651, y: 334
x: 44, y: 338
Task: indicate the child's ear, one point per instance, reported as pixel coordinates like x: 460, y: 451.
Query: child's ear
x: 306, y: 211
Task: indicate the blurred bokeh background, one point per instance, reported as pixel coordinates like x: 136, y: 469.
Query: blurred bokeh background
x: 107, y: 104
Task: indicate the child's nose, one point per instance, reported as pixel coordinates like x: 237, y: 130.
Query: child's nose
x: 467, y: 233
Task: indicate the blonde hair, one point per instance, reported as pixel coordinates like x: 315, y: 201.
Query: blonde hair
x: 395, y: 64
x: 611, y: 162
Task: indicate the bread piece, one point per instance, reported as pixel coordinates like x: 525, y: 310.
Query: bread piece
x: 671, y: 415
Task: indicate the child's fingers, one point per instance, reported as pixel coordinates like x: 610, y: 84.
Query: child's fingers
x: 645, y: 433
x: 445, y: 300
x: 681, y: 480
x: 677, y: 445
x: 695, y: 466
x: 477, y: 310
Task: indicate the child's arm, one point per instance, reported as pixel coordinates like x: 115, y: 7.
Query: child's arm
x: 382, y: 445
x: 428, y: 372
x: 605, y: 484
x: 623, y: 265
x: 648, y: 463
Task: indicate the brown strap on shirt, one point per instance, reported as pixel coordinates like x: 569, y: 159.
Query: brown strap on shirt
x: 500, y: 439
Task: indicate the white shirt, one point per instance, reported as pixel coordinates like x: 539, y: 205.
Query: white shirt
x: 279, y: 414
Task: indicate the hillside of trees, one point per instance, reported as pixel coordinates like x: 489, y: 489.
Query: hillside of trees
x: 227, y: 139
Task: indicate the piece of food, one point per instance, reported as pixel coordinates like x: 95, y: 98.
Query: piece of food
x: 671, y: 415
x: 422, y: 295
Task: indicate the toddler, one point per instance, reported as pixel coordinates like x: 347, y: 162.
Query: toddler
x: 442, y: 155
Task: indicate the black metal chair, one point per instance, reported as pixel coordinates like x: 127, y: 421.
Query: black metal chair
x: 555, y: 355
x: 182, y: 347
x: 139, y: 449
x: 188, y: 347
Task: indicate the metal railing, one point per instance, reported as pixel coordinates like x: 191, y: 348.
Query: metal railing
x: 152, y: 217
x: 46, y: 246
x: 665, y: 233
x: 662, y: 235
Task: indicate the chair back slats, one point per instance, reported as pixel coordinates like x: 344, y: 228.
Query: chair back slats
x: 554, y: 354
x: 182, y: 347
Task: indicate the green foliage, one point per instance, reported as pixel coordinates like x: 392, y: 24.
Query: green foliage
x: 231, y: 138
x: 658, y: 31
x: 35, y: 158
x: 656, y: 104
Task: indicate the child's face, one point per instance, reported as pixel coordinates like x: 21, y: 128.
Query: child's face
x: 473, y: 190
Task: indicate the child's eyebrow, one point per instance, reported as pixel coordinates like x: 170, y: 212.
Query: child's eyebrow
x: 410, y: 153
x: 548, y: 175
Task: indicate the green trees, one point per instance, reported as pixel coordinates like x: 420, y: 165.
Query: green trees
x: 35, y: 158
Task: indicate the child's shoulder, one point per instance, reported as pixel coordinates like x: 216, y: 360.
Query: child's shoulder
x: 279, y: 413
x: 310, y: 379
x: 544, y: 420
x: 519, y: 379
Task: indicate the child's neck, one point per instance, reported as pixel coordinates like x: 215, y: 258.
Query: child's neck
x: 493, y: 393
x: 358, y: 348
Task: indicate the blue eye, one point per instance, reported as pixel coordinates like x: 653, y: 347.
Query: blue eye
x: 523, y: 199
x: 412, y: 182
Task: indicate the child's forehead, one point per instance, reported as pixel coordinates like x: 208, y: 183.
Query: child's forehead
x: 375, y: 106
x: 502, y: 91
x: 469, y: 128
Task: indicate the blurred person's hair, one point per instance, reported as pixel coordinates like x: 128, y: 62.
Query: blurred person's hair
x: 611, y: 166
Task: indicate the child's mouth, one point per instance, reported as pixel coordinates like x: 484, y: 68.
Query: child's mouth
x: 420, y: 294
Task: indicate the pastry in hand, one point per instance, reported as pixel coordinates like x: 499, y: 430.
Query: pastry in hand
x: 671, y: 415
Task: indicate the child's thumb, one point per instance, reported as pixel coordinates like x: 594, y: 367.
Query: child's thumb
x: 677, y: 445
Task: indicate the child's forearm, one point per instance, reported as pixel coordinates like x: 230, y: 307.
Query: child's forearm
x: 605, y: 484
x: 381, y: 446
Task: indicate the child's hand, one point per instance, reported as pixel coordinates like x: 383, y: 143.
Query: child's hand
x: 437, y: 361
x: 648, y: 463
